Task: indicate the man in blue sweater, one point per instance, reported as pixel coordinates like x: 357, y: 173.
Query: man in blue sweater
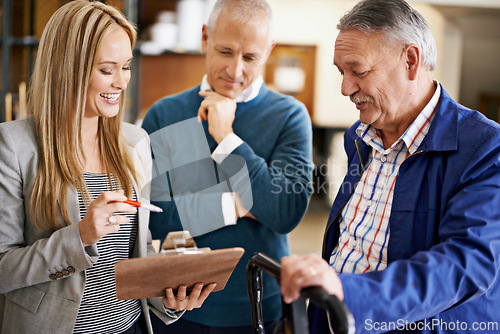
x: 413, y: 238
x: 249, y: 133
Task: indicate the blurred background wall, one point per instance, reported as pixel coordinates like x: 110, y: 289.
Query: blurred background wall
x: 168, y: 59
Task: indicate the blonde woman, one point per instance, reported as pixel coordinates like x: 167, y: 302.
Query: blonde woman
x: 65, y: 172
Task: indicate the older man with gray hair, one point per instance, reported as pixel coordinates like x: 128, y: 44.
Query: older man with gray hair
x: 413, y: 239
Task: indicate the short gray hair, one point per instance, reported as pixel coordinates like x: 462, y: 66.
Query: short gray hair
x: 244, y: 11
x: 397, y: 21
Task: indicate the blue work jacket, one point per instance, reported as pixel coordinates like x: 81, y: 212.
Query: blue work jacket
x: 444, y: 246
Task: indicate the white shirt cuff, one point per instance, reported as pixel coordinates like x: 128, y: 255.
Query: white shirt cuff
x: 229, y: 208
x: 226, y: 147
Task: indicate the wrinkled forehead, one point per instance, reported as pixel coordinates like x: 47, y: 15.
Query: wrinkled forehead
x: 354, y: 42
x: 353, y: 45
x: 229, y: 21
x: 248, y: 36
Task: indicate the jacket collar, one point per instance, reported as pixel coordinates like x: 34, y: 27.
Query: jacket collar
x: 442, y: 135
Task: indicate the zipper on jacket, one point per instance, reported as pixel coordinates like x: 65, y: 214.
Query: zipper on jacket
x: 361, y: 174
x: 342, y: 208
x: 415, y: 153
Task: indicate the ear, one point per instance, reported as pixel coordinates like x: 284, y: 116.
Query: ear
x: 268, y: 51
x: 412, y: 54
x: 204, y: 39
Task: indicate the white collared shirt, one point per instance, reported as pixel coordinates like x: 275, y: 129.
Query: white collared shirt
x: 247, y: 95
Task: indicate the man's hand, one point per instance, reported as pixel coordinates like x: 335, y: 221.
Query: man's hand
x: 298, y: 272
x: 240, y: 209
x: 219, y: 111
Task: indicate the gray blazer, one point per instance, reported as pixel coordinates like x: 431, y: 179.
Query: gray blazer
x: 31, y: 301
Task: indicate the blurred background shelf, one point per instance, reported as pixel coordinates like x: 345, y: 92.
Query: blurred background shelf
x: 22, y: 24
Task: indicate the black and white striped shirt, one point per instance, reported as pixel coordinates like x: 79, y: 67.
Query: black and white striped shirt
x: 100, y: 311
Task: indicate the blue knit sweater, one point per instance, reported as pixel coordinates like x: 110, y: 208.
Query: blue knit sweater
x: 277, y: 149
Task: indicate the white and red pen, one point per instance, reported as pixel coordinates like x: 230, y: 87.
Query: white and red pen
x: 146, y: 206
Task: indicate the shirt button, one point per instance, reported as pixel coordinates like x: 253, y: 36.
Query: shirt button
x: 369, y: 203
x: 53, y: 277
x: 59, y: 274
x: 383, y: 159
x: 71, y: 270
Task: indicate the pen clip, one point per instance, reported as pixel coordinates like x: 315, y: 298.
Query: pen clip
x: 181, y: 242
x: 178, y: 241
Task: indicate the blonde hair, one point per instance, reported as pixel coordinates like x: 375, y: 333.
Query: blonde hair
x: 68, y: 51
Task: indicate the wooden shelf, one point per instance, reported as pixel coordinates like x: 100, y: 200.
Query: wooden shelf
x: 303, y: 57
x: 166, y: 74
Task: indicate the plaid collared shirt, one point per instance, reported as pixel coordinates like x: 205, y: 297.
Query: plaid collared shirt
x: 364, y: 221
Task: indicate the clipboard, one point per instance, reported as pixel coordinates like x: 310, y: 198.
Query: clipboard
x: 148, y: 277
